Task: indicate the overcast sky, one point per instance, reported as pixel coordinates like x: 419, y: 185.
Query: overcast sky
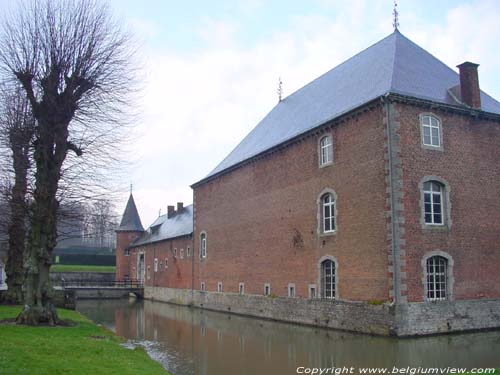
x: 212, y: 68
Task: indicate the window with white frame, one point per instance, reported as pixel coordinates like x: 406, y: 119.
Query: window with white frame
x: 149, y: 272
x: 203, y: 245
x: 202, y: 286
x: 437, y: 278
x: 325, y: 150
x: 242, y: 288
x: 431, y: 131
x: 166, y: 263
x: 328, y: 213
x: 312, y: 291
x: 291, y: 290
x: 182, y: 253
x: 188, y: 251
x: 433, y: 203
x: 267, y: 289
x: 156, y: 265
x: 127, y: 252
x: 175, y: 253
x: 219, y: 287
x: 328, y: 279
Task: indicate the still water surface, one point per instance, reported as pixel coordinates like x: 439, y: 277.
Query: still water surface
x: 192, y: 341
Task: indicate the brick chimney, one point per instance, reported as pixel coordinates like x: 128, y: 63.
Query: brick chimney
x: 170, y: 211
x: 469, y: 84
x: 180, y: 206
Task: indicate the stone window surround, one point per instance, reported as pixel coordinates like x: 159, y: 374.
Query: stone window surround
x: 202, y: 286
x: 319, y: 270
x: 203, y: 253
x: 446, y: 203
x: 320, y: 139
x: 319, y: 213
x: 292, y: 290
x: 440, y: 122
x: 219, y: 287
x: 311, y: 288
x: 241, y: 288
x: 449, y: 274
x: 267, y: 287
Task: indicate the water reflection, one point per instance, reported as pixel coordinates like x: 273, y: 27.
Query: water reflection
x: 192, y: 341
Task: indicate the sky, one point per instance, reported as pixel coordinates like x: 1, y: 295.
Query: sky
x: 211, y: 70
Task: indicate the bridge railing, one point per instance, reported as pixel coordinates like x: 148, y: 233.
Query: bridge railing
x: 89, y: 283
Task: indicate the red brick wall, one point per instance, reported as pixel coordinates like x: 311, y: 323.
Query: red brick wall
x: 179, y: 271
x: 470, y: 164
x: 123, y: 239
x: 261, y: 219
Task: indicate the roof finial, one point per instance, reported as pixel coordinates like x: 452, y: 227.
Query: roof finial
x: 395, y: 22
x: 131, y: 186
x: 280, y: 89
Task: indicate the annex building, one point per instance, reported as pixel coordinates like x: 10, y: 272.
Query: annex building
x: 368, y: 201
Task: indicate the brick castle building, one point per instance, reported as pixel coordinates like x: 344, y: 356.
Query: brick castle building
x: 368, y: 200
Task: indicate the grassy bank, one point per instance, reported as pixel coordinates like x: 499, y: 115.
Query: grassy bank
x: 82, y: 349
x: 81, y: 268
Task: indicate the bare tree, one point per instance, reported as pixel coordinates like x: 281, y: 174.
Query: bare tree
x: 17, y: 127
x: 74, y: 65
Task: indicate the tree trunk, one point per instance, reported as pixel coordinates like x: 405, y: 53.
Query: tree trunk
x: 49, y: 156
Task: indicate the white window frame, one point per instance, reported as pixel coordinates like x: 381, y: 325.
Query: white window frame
x: 313, y: 291
x: 431, y: 124
x: 166, y: 263
x: 203, y: 245
x: 175, y: 252
x: 328, y: 288
x: 241, y: 289
x: 325, y: 150
x: 430, y: 193
x: 324, y: 218
x: 155, y: 267
x: 219, y: 287
x: 267, y: 289
x: 148, y: 272
x: 202, y: 286
x: 188, y: 251
x: 437, y: 278
x: 292, y: 291
x: 182, y: 253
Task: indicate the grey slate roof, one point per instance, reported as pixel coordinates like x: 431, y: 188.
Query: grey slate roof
x: 393, y: 65
x: 130, y: 220
x: 163, y: 228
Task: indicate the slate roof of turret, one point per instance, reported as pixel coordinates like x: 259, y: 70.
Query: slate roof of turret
x: 130, y: 220
x: 393, y: 65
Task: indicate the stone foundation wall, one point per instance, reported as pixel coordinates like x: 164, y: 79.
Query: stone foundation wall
x: 56, y: 277
x: 405, y: 320
x: 350, y: 316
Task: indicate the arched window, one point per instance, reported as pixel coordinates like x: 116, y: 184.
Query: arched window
x: 325, y: 150
x: 203, y: 245
x: 328, y: 213
x: 328, y: 279
x: 437, y: 278
x: 433, y: 203
x: 431, y: 131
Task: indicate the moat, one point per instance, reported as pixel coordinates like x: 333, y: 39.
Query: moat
x: 193, y: 341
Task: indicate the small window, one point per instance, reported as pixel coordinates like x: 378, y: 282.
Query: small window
x: 328, y: 213
x: 312, y: 291
x: 161, y: 266
x: 127, y: 253
x: 431, y: 131
x: 175, y: 253
x: 202, y: 286
x: 182, y: 253
x: 437, y: 278
x: 156, y: 264
x: 433, y: 203
x: 166, y: 263
x: 203, y: 245
x: 267, y: 289
x: 188, y: 251
x: 291, y: 290
x: 219, y: 287
x: 149, y: 272
x: 242, y: 288
x: 325, y: 150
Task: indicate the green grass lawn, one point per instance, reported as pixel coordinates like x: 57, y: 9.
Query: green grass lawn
x: 82, y: 349
x: 81, y: 268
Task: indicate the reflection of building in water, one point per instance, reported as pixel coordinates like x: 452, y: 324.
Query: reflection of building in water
x: 365, y: 201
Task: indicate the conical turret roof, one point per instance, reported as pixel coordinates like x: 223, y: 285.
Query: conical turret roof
x: 131, y: 222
